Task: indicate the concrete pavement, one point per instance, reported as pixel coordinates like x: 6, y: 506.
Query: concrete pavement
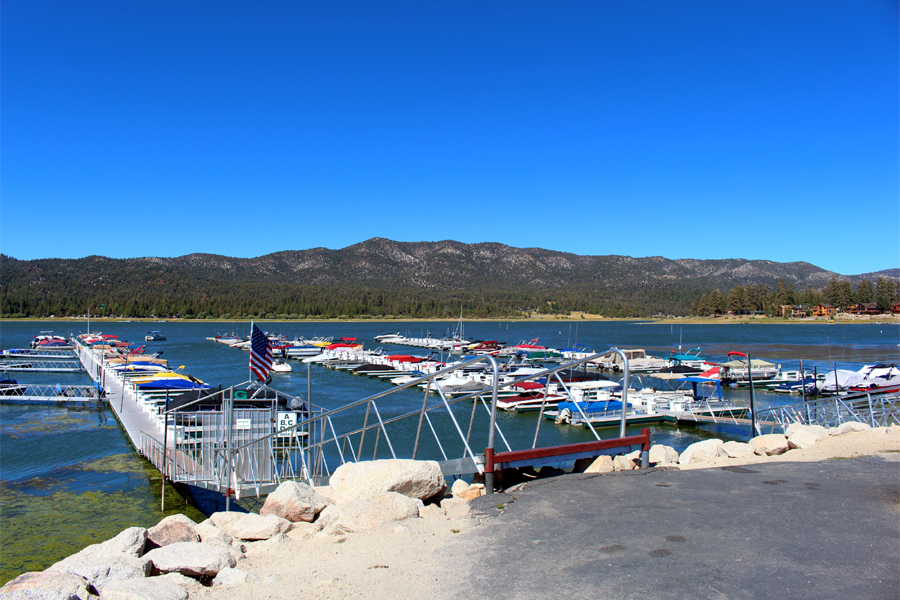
x: 827, y: 529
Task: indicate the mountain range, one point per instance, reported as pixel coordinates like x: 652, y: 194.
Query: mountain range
x: 441, y: 270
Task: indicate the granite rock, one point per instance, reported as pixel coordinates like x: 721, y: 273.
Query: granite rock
x: 192, y: 559
x: 419, y: 479
x: 294, y: 501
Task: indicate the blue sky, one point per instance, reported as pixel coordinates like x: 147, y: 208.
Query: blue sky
x: 758, y: 130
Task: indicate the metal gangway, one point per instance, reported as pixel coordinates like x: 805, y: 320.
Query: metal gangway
x: 43, y: 353
x: 874, y: 409
x: 27, y: 393
x: 30, y: 365
x: 238, y: 451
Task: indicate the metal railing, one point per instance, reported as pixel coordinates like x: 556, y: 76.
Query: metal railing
x: 876, y: 410
x: 226, y: 450
x: 49, y: 353
x: 32, y: 365
x: 23, y: 392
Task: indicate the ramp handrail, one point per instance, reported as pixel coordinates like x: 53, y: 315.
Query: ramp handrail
x: 877, y: 410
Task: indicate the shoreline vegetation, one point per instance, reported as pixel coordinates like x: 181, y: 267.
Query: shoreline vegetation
x: 538, y: 318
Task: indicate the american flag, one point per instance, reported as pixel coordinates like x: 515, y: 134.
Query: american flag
x: 260, y: 354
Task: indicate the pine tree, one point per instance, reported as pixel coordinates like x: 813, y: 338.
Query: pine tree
x: 864, y: 291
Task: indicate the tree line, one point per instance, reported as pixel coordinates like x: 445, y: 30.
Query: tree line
x: 759, y: 299
x: 107, y: 287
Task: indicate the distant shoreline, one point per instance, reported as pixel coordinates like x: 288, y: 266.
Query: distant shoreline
x: 885, y: 319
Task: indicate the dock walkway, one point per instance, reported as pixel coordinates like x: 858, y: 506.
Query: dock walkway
x: 128, y: 410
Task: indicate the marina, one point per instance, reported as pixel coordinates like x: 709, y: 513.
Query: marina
x: 332, y: 389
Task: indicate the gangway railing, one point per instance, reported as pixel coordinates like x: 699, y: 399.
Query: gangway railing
x: 334, y: 442
x: 31, y: 365
x: 874, y: 409
x: 24, y: 393
x: 251, y: 450
x: 49, y: 353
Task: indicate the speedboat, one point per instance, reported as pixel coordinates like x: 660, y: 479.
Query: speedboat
x: 154, y: 336
x: 389, y: 338
x: 870, y: 378
x: 281, y: 366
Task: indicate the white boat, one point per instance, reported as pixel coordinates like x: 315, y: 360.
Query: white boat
x: 389, y: 338
x: 154, y: 336
x: 281, y: 366
x: 868, y: 378
x: 638, y: 361
x: 301, y: 350
x: 738, y: 371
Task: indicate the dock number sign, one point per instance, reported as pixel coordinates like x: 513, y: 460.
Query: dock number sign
x: 285, y: 420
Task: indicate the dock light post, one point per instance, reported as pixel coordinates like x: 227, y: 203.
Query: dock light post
x: 752, y: 407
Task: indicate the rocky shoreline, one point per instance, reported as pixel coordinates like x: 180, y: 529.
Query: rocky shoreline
x: 375, y: 532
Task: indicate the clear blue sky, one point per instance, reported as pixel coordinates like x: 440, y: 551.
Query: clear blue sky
x: 758, y: 130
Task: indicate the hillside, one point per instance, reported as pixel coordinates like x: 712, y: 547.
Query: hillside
x: 381, y: 277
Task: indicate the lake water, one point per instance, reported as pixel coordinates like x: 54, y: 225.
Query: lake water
x: 69, y: 478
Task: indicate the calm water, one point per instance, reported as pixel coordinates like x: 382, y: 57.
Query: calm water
x: 72, y: 469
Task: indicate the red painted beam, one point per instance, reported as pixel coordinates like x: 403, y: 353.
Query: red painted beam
x: 493, y: 459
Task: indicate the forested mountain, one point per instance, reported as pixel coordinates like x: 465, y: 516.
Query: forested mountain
x: 380, y: 277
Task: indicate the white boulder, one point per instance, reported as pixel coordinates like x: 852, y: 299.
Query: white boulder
x: 174, y: 528
x: 661, y: 454
x: 210, y: 534
x: 602, y: 464
x: 701, y: 452
x: 130, y: 542
x: 192, y: 558
x: 770, y: 444
x: 802, y: 438
x: 224, y: 520
x: 816, y: 429
x: 455, y: 507
x: 334, y: 521
x: 303, y: 530
x: 849, y: 427
x: 294, y: 501
x: 413, y: 478
x: 368, y: 513
x: 151, y: 588
x: 101, y: 571
x: 254, y: 527
x: 623, y: 463
x: 47, y: 584
x: 737, y: 449
x: 458, y: 487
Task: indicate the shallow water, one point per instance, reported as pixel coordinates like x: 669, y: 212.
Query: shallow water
x: 72, y: 472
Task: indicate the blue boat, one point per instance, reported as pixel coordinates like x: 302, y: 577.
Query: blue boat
x: 173, y: 384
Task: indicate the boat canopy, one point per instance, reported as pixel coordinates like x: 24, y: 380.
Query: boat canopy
x: 742, y: 364
x: 594, y: 384
x: 696, y: 380
x: 529, y: 385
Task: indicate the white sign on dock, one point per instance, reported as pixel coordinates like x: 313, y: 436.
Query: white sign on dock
x: 285, y: 420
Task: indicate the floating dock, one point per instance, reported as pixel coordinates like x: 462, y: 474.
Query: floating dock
x: 125, y: 405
